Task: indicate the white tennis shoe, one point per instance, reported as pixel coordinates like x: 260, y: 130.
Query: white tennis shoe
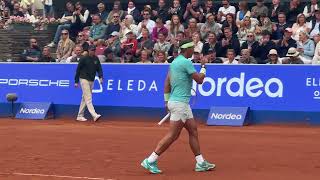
x: 97, y: 118
x: 79, y: 118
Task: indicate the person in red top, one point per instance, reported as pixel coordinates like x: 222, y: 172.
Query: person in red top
x: 131, y: 43
x: 158, y: 28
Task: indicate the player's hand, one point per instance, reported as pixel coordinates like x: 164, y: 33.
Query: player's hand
x: 76, y: 85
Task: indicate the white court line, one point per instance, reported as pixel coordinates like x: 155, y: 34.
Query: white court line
x: 56, y: 176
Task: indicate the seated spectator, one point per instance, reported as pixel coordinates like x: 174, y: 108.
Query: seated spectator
x: 46, y: 55
x: 176, y: 10
x: 285, y: 43
x: 273, y: 57
x: 102, y: 12
x: 100, y: 48
x: 259, y: 10
x: 193, y: 11
x: 231, y: 57
x: 210, y: 26
x: 192, y: 28
x: 161, y: 11
x: 251, y: 44
x: 211, y: 43
x: 130, y: 44
x: 126, y: 26
x: 229, y: 42
x: 133, y: 11
x: 209, y: 8
x: 82, y: 41
x: 174, y: 27
x: 76, y: 55
x: 224, y: 10
x: 245, y: 28
x: 162, y: 44
x: 109, y: 56
x: 230, y: 23
x: 160, y: 57
x: 97, y: 30
x: 276, y: 8
x: 314, y: 24
x: 175, y: 42
x: 144, y: 43
x: 265, y: 45
x: 116, y: 9
x: 5, y: 15
x: 128, y: 57
x: 246, y: 58
x: 212, y: 57
x: 114, y: 25
x: 300, y: 25
x: 316, y: 57
x: 278, y: 28
x: 294, y: 9
x: 266, y: 25
x: 81, y: 18
x: 293, y: 57
x: 65, y: 47
x: 65, y: 23
x: 16, y: 10
x: 144, y: 58
x: 197, y: 41
x: 243, y: 12
x: 114, y: 43
x: 32, y: 54
x: 146, y: 22
x: 197, y: 56
x: 175, y: 53
x: 305, y: 47
x: 159, y: 28
x: 310, y: 9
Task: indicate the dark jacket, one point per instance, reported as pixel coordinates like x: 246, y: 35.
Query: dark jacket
x: 282, y: 49
x: 263, y: 51
x: 87, y: 68
x: 234, y: 44
x: 254, y: 48
x: 136, y: 15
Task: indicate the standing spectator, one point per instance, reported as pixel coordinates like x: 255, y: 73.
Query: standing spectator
x: 65, y: 23
x: 65, y: 47
x: 276, y: 8
x: 246, y: 58
x: 80, y: 19
x: 162, y: 44
x: 161, y: 11
x: 174, y: 27
x: 97, y: 30
x: 314, y: 24
x: 211, y: 43
x: 144, y: 43
x: 230, y: 23
x: 305, y: 47
x: 295, y: 8
x: 193, y: 10
x: 126, y: 26
x: 273, y: 57
x: 48, y: 8
x: 278, y: 28
x: 229, y: 42
x: 259, y: 10
x: 177, y: 10
x: 114, y: 25
x: 16, y: 10
x: 146, y: 22
x: 192, y: 28
x: 76, y: 55
x: 310, y: 9
x: 133, y: 11
x: 285, y: 43
x: 231, y: 57
x: 243, y: 12
x: 102, y: 12
x: 46, y: 55
x: 32, y: 54
x: 210, y: 26
x: 86, y: 71
x: 293, y: 55
x: 116, y: 9
x: 265, y: 45
x: 225, y: 9
x: 159, y: 28
x: 300, y: 25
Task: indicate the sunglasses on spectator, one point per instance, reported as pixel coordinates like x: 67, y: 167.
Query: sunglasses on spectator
x: 80, y: 35
x: 146, y: 14
x: 64, y: 33
x: 115, y: 16
x: 249, y: 35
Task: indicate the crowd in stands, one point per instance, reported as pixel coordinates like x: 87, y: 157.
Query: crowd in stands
x: 283, y: 33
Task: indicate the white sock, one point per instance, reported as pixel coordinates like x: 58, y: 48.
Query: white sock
x: 153, y: 157
x: 199, y: 159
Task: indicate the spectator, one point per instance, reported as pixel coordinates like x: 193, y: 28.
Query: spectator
x: 161, y: 57
x: 5, y: 15
x: 65, y: 23
x: 128, y: 57
x: 193, y: 11
x: 130, y: 44
x: 161, y: 11
x: 197, y: 42
x: 114, y: 25
x: 224, y: 10
x: 159, y: 28
x: 76, y: 55
x: 116, y: 9
x: 265, y: 45
x: 176, y: 10
x: 231, y: 57
x: 48, y: 8
x: 192, y: 28
x: 295, y: 8
x: 197, y: 56
x: 175, y: 42
x: 212, y: 57
x: 310, y: 9
x: 229, y: 42
x: 243, y: 12
x: 126, y: 26
x: 251, y: 44
x: 293, y: 55
x: 133, y: 11
x: 259, y: 10
x: 314, y: 25
x: 65, y: 47
x: 230, y: 23
x: 211, y: 43
x: 46, y: 55
x: 210, y: 26
x: 209, y: 8
x: 285, y: 43
x: 316, y: 57
x: 276, y: 8
x: 144, y: 43
x: 109, y: 56
x: 114, y: 43
x: 16, y: 10
x: 174, y: 27
x: 162, y: 44
x: 146, y: 22
x: 100, y: 47
x: 245, y: 28
x: 278, y: 28
x: 305, y: 47
x: 80, y: 19
x: 266, y: 25
x: 32, y: 54
x: 246, y: 58
x: 82, y: 41
x: 175, y: 53
x: 300, y: 25
x: 97, y: 30
x: 145, y: 57
x: 102, y: 12
x: 273, y: 57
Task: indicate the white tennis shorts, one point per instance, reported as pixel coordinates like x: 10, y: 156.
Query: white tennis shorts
x: 179, y: 111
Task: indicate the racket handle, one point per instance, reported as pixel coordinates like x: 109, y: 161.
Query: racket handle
x: 164, y: 119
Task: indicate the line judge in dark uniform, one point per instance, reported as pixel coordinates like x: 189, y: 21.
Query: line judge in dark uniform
x: 86, y: 71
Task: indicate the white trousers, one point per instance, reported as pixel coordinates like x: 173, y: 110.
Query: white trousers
x: 86, y: 100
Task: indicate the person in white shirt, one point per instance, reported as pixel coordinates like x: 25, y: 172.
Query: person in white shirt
x: 316, y: 57
x: 225, y: 9
x: 314, y: 25
x: 309, y: 9
x: 146, y: 23
x: 231, y: 57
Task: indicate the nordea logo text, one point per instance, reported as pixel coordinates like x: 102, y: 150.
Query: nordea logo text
x: 229, y: 116
x: 31, y: 111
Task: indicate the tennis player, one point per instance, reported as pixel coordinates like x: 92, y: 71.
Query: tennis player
x: 177, y: 93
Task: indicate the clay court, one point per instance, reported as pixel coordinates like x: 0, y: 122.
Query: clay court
x: 109, y: 149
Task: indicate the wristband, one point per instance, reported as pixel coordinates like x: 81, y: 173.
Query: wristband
x: 166, y: 96
x: 203, y: 71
